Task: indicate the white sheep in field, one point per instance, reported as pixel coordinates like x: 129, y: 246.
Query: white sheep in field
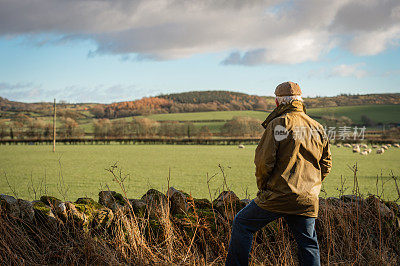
x: 364, y: 146
x: 241, y: 146
x: 375, y: 146
x: 338, y: 145
x: 389, y: 145
x: 364, y: 152
x: 347, y: 145
x: 368, y: 151
x: 380, y: 151
x: 385, y: 147
x: 356, y: 149
x: 396, y: 145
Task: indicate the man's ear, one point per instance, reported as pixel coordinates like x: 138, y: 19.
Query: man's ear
x: 276, y: 101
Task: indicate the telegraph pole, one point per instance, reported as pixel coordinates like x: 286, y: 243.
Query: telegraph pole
x: 54, y: 127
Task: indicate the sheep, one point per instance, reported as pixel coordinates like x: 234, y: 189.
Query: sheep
x: 338, y: 145
x: 396, y: 145
x: 380, y: 151
x: 356, y: 149
x: 375, y: 146
x: 364, y: 152
x: 389, y: 145
x: 368, y: 151
x: 385, y: 147
x: 347, y: 145
x: 241, y: 146
x: 364, y: 146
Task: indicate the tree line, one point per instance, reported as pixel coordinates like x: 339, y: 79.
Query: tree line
x: 197, y: 101
x: 37, y: 128
x: 24, y: 127
x: 145, y: 127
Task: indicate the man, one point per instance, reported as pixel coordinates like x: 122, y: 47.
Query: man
x: 292, y: 158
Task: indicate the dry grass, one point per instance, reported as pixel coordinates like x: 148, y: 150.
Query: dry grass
x: 355, y: 231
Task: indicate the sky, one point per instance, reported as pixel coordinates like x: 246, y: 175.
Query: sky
x: 119, y: 50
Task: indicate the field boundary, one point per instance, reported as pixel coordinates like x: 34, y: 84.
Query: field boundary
x: 91, y: 141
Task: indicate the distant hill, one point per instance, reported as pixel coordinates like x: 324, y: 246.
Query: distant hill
x: 6, y: 105
x: 205, y: 113
x: 222, y: 97
x: 351, y: 100
x: 195, y: 101
x: 202, y: 101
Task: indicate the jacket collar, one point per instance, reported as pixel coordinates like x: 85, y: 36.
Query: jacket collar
x: 294, y: 106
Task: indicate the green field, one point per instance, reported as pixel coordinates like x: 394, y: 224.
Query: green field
x: 215, y: 120
x: 217, y: 115
x: 83, y: 169
x: 378, y: 113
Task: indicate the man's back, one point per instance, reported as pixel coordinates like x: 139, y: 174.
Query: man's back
x: 292, y: 159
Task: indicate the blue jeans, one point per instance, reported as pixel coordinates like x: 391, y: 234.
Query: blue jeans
x: 252, y: 218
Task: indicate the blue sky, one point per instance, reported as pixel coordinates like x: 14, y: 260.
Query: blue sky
x: 84, y: 62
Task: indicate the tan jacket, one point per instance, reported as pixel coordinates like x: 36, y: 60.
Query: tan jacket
x: 292, y: 158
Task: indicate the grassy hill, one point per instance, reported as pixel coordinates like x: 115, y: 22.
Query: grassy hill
x: 203, y: 116
x: 384, y: 114
x: 379, y: 113
x: 208, y: 108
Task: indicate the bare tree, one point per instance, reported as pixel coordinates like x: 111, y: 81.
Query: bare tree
x: 70, y: 128
x: 102, y: 128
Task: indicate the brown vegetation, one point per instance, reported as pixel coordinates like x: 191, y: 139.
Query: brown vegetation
x: 349, y: 100
x: 178, y: 229
x: 31, y: 121
x: 243, y: 127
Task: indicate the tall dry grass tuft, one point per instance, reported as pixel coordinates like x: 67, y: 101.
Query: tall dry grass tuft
x: 351, y: 230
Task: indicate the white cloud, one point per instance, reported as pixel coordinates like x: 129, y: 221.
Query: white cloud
x: 258, y: 31
x: 372, y: 43
x: 29, y: 92
x: 349, y: 70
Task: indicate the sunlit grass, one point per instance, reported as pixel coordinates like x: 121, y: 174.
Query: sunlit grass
x: 83, y: 169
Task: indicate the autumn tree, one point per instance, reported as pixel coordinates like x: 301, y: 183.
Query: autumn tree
x: 119, y: 128
x: 3, y: 129
x: 333, y: 121
x: 242, y: 126
x: 97, y: 111
x: 191, y: 129
x: 145, y: 127
x: 205, y: 132
x: 70, y: 128
x: 66, y: 113
x: 48, y: 131
x: 102, y: 128
x: 17, y: 129
x: 34, y: 128
x: 260, y: 105
x: 367, y: 121
x: 172, y: 129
